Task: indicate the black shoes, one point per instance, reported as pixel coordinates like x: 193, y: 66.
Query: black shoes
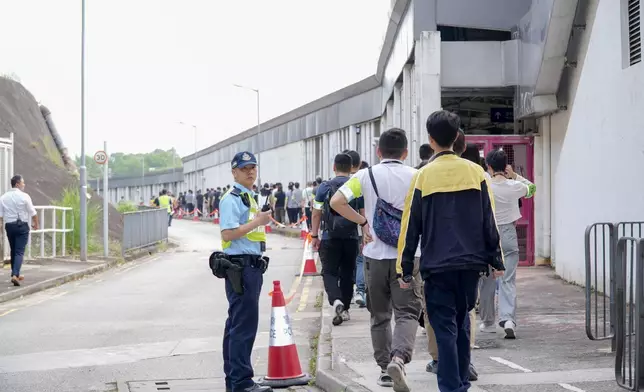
x: 254, y: 388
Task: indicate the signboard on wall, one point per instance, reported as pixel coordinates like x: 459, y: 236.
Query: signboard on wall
x: 502, y: 115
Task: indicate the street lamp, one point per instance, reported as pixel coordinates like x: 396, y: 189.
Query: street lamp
x: 259, y: 129
x: 83, y: 168
x: 194, y: 127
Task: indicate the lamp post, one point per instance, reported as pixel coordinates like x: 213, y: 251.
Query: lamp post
x: 83, y: 168
x: 259, y: 129
x: 194, y: 127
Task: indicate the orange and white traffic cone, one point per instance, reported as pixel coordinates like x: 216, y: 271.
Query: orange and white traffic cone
x: 284, y: 369
x: 310, y: 269
x: 216, y: 217
x: 196, y: 217
x: 304, y: 229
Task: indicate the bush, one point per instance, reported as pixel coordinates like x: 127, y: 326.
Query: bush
x: 71, y: 199
x: 126, y: 206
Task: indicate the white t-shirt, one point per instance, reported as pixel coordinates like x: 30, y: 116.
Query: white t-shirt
x: 393, y: 180
x: 506, y: 197
x: 16, y: 204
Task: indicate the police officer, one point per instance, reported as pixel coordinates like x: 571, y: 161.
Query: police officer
x: 165, y: 201
x: 243, y: 240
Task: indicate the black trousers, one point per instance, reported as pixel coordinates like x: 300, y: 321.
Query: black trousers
x: 17, y: 236
x: 338, y: 257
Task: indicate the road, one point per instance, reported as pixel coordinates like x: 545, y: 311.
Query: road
x: 157, y: 318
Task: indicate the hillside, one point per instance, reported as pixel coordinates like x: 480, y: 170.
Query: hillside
x: 36, y: 156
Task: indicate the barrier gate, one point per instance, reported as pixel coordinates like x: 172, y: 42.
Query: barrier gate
x: 520, y: 151
x: 615, y: 295
x: 6, y: 172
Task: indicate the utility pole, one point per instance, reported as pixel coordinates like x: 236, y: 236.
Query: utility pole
x: 83, y: 168
x: 106, y: 211
x: 259, y: 130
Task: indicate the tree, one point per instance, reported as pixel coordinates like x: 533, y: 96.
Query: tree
x: 132, y: 165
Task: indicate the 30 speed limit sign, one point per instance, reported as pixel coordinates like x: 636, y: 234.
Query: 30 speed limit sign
x: 100, y: 157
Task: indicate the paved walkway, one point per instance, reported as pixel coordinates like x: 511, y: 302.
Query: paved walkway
x: 552, y: 352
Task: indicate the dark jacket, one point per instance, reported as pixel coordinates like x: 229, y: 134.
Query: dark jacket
x: 451, y: 211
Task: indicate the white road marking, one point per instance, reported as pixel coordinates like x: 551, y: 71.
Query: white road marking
x: 7, y: 312
x: 511, y: 365
x: 524, y: 370
x: 571, y: 387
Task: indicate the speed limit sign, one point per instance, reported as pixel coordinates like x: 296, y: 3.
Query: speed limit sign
x: 100, y: 157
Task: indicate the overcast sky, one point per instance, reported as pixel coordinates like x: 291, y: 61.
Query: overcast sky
x: 154, y: 63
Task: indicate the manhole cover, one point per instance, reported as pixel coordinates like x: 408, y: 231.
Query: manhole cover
x: 185, y: 385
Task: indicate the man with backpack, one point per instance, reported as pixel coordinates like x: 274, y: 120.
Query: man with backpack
x: 384, y: 187
x: 336, y: 239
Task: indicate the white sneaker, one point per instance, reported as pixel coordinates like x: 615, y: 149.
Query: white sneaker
x: 345, y: 315
x: 509, y: 327
x: 487, y: 328
x: 338, y: 308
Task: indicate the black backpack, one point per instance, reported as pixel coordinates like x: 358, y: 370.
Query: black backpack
x: 335, y: 225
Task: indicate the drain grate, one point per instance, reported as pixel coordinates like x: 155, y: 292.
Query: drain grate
x: 179, y: 385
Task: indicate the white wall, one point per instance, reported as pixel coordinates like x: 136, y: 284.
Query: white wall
x: 597, y: 146
x: 283, y: 164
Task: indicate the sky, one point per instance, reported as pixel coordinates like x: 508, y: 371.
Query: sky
x: 151, y: 64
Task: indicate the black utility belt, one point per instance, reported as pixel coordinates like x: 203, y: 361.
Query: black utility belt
x: 18, y: 222
x: 246, y: 260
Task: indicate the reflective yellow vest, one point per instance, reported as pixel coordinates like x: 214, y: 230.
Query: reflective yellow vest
x: 164, y: 202
x: 256, y: 235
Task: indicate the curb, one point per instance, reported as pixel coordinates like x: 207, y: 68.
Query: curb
x: 328, y: 377
x: 54, y: 282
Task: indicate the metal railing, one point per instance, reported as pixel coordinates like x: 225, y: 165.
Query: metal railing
x: 629, y: 311
x: 144, y: 228
x: 48, y: 231
x: 615, y: 295
x: 600, y: 242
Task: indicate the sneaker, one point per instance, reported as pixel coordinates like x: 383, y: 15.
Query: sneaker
x: 385, y: 380
x: 396, y: 369
x: 338, y: 308
x: 432, y: 367
x: 360, y: 299
x: 487, y: 328
x: 474, y: 375
x: 509, y: 328
x: 345, y: 315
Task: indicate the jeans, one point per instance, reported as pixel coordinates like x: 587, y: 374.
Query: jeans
x: 450, y: 296
x: 241, y: 329
x: 338, y: 257
x: 384, y: 295
x: 17, y: 236
x: 506, y: 283
x: 359, y: 275
x: 169, y: 219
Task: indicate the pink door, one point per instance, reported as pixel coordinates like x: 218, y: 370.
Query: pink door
x: 520, y: 151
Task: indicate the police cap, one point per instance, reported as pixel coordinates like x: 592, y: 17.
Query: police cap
x: 242, y: 159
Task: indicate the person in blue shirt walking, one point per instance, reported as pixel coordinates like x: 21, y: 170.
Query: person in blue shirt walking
x: 244, y: 240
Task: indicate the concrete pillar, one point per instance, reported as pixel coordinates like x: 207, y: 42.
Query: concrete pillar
x: 428, y: 76
x: 397, y: 121
x: 325, y: 156
x: 390, y: 116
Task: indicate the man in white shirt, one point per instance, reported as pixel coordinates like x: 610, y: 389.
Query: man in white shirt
x: 16, y: 210
x: 507, y: 188
x: 384, y: 292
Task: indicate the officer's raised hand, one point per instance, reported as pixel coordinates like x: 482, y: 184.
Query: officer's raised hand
x: 262, y: 218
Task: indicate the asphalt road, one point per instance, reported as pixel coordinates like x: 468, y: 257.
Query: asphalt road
x: 160, y: 317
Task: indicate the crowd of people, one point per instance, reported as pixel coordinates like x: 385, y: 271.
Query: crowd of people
x: 424, y: 244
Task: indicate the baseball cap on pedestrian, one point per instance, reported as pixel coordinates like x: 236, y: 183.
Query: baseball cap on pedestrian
x: 242, y: 159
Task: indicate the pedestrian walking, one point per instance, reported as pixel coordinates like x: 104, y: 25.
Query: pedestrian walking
x: 384, y: 188
x: 450, y: 207
x: 336, y: 238
x: 16, y: 211
x: 242, y: 226
x: 508, y: 189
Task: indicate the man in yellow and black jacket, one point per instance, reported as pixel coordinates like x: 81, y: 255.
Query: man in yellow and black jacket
x: 450, y: 210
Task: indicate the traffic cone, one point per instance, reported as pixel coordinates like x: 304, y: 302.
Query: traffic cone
x: 304, y: 229
x: 310, y: 269
x: 196, y: 217
x: 268, y: 228
x: 284, y: 369
x: 216, y: 219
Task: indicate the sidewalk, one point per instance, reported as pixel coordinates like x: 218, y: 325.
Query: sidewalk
x: 551, y: 352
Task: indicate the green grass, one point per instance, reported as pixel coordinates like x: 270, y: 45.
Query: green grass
x: 71, y: 198
x: 318, y: 300
x: 126, y: 206
x: 313, y: 361
x: 51, y: 151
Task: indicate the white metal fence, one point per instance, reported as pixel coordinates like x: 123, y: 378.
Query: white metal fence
x: 53, y: 222
x: 6, y: 172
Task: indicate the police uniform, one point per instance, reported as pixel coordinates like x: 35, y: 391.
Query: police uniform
x: 165, y: 201
x: 238, y: 207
